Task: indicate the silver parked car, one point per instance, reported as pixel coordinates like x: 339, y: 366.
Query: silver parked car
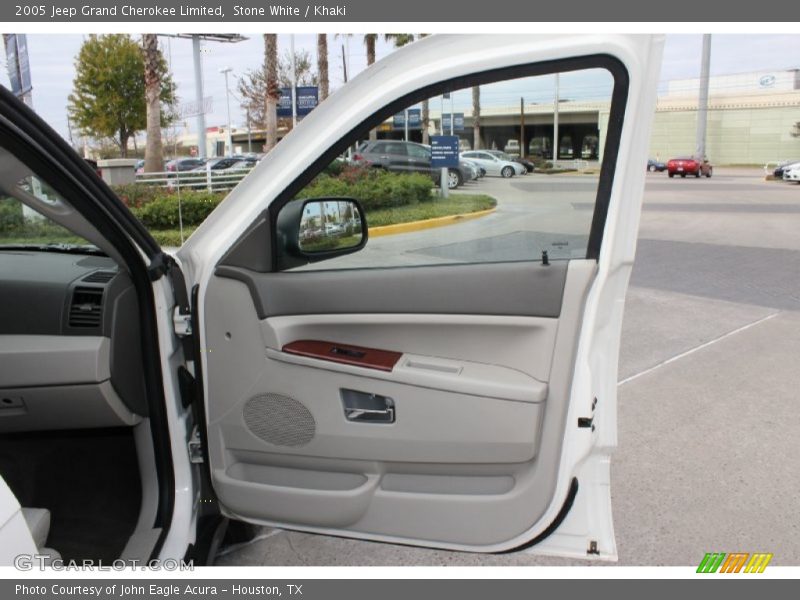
x: 493, y: 165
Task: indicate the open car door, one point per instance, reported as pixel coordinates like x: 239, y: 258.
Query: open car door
x: 451, y: 386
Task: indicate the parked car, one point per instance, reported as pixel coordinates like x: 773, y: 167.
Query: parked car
x: 151, y: 396
x: 512, y: 147
x: 689, y: 165
x: 478, y: 171
x: 218, y: 164
x: 655, y: 165
x: 183, y: 164
x: 493, y: 165
x: 792, y: 173
x: 407, y: 157
x: 785, y: 166
x: 528, y: 164
x: 244, y: 163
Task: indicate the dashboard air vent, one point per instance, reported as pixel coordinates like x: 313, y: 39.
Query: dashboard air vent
x: 86, y: 307
x: 99, y: 277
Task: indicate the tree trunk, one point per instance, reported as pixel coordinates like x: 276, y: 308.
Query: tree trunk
x: 154, y: 149
x: 322, y: 65
x: 426, y: 114
x: 123, y: 143
x: 476, y: 118
x: 369, y: 42
x: 273, y: 91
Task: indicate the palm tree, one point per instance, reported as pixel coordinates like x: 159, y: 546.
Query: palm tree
x: 154, y: 150
x: 322, y: 65
x: 369, y: 42
x: 476, y: 117
x: 425, y: 112
x: 401, y: 39
x: 273, y: 91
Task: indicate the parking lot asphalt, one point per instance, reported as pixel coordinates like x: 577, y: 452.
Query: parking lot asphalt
x: 709, y: 388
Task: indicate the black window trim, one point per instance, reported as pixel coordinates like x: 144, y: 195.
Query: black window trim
x: 619, y: 98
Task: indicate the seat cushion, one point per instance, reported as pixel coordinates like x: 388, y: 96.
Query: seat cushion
x: 38, y: 520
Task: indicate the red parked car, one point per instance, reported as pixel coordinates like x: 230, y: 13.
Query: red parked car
x: 689, y: 165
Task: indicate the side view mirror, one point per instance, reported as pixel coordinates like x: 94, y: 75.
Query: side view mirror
x: 309, y: 231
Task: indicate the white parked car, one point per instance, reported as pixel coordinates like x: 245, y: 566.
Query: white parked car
x: 792, y: 173
x: 154, y: 397
x: 494, y: 165
x: 512, y: 147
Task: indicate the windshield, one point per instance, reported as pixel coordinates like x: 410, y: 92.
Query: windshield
x: 23, y: 227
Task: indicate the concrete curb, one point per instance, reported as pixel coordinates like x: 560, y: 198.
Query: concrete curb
x: 427, y: 223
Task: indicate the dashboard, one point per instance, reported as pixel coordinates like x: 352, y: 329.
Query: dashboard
x: 70, y: 346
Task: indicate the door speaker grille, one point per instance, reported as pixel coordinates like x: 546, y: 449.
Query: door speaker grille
x: 279, y: 420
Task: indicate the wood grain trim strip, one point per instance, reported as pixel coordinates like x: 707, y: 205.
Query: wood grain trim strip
x: 358, y: 356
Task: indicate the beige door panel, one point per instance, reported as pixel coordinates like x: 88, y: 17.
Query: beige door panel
x: 480, y: 403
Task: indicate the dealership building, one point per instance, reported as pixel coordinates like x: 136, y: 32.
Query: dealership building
x: 753, y: 118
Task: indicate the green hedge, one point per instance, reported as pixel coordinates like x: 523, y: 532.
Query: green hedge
x: 374, y: 188
x: 162, y: 212
x: 10, y: 215
x: 157, y: 207
x: 136, y: 195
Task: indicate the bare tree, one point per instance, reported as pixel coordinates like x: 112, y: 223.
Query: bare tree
x: 252, y: 86
x: 154, y: 149
x: 322, y: 65
x: 273, y: 92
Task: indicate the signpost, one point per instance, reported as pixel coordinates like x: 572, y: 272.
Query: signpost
x: 444, y: 156
x: 414, y: 120
x: 456, y: 126
x: 307, y: 98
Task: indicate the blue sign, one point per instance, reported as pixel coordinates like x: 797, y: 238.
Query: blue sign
x: 458, y: 122
x: 414, y: 119
x: 444, y: 151
x: 307, y: 100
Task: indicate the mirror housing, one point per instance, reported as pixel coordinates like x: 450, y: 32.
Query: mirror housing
x: 317, y: 229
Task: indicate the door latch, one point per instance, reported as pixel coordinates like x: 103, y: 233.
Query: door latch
x: 195, y: 446
x: 181, y: 322
x: 588, y: 422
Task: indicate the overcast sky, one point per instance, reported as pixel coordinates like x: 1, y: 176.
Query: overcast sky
x: 52, y: 68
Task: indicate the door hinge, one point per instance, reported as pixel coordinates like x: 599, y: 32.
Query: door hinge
x: 593, y: 548
x: 181, y: 322
x: 195, y: 446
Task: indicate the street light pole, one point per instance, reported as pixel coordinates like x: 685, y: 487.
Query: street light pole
x: 198, y: 93
x: 556, y: 100
x: 225, y: 71
x: 702, y: 101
